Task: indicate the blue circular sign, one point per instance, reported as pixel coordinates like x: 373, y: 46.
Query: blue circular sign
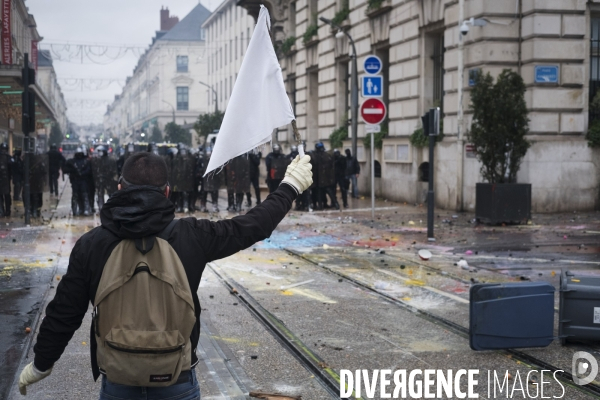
x: 372, y: 65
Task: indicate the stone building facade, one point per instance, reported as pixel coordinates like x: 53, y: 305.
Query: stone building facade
x: 164, y: 86
x: 418, y: 42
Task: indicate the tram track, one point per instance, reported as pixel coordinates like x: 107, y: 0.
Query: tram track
x: 519, y: 356
x: 326, y: 376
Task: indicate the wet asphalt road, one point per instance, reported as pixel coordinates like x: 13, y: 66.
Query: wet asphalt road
x: 349, y: 327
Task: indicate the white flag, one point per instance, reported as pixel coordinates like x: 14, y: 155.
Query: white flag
x: 258, y: 103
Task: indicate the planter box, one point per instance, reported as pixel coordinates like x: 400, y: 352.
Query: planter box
x: 503, y: 202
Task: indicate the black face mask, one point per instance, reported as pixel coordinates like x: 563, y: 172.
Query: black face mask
x: 347, y: 153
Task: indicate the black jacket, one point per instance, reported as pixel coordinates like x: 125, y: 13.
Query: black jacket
x: 352, y: 166
x: 133, y: 213
x: 56, y: 161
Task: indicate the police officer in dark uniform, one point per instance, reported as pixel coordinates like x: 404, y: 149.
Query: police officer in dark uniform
x: 38, y: 182
x: 254, y: 158
x: 17, y: 174
x: 78, y: 169
x: 276, y: 164
x: 323, y: 169
x: 128, y: 151
x: 238, y: 179
x: 340, y: 175
x: 212, y: 183
x: 198, y: 168
x: 56, y: 162
x: 5, y: 175
x: 104, y: 171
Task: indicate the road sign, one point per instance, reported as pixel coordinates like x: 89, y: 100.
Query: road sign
x: 373, y: 111
x: 372, y: 65
x: 546, y: 74
x: 372, y: 86
x: 373, y: 128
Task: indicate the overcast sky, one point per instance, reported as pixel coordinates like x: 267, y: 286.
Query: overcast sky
x: 117, y: 22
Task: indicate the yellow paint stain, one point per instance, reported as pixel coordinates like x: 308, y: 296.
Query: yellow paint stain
x: 287, y: 293
x: 575, y: 280
x: 553, y: 274
x: 227, y: 340
x: 406, y: 299
x: 8, y: 268
x: 414, y: 282
x: 313, y: 295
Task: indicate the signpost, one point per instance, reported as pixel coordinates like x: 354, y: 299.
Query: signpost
x: 431, y: 128
x: 373, y: 111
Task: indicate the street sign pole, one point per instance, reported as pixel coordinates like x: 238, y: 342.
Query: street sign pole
x: 372, y: 177
x: 25, y: 119
x: 434, y: 123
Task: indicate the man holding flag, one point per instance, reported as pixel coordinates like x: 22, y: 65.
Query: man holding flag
x: 140, y: 215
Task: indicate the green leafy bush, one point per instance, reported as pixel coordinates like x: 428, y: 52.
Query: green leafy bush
x: 341, y: 15
x: 500, y: 125
x: 418, y: 138
x: 310, y: 32
x: 338, y: 136
x: 374, y: 4
x: 287, y: 44
x: 378, y: 137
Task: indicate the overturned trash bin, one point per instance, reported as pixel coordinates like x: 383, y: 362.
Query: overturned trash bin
x: 511, y: 315
x: 579, y: 311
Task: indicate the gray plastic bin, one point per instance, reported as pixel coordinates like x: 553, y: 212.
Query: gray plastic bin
x: 579, y: 311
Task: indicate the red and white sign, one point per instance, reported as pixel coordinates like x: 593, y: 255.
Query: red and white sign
x: 34, y: 54
x: 6, y: 36
x: 373, y: 111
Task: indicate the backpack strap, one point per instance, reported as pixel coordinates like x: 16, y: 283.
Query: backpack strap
x: 165, y: 233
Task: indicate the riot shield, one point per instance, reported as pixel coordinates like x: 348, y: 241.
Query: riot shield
x: 183, y: 173
x: 278, y: 167
x: 213, y: 180
x: 325, y: 169
x: 238, y: 174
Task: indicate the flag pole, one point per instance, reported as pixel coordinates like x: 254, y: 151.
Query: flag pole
x: 298, y: 139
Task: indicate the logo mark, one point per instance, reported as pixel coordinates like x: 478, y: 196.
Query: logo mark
x: 585, y: 368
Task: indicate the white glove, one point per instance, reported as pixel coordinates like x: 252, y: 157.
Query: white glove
x: 30, y: 375
x: 298, y: 174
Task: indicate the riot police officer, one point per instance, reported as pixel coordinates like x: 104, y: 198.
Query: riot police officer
x: 56, y: 162
x: 276, y: 164
x: 183, y: 178
x: 17, y: 174
x: 121, y: 161
x: 323, y: 177
x: 197, y: 190
x: 254, y: 158
x: 38, y: 182
x: 238, y: 179
x: 293, y: 152
x: 104, y: 171
x: 78, y: 169
x: 5, y: 175
x: 212, y: 183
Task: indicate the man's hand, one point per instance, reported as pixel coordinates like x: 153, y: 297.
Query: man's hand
x: 299, y: 174
x: 30, y: 375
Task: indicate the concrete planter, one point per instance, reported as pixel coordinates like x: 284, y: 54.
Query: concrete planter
x: 503, y: 202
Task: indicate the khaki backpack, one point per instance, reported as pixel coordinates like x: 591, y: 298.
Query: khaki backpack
x: 144, y: 315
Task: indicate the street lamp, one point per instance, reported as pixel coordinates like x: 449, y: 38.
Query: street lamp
x: 354, y: 78
x: 215, y: 93
x: 173, y: 108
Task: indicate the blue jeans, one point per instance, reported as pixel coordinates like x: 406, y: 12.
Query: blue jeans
x: 185, y: 390
x: 352, y: 179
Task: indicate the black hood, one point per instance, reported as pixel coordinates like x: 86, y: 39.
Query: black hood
x: 136, y: 212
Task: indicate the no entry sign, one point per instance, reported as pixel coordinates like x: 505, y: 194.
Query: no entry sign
x: 373, y: 111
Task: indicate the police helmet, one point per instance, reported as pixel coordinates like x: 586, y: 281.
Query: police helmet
x: 336, y: 151
x: 294, y: 148
x: 101, y: 149
x: 53, y: 146
x: 172, y: 151
x: 4, y: 147
x: 276, y: 148
x: 319, y: 146
x: 130, y: 147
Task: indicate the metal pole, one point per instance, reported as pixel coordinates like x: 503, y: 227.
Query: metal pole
x: 215, y: 93
x: 372, y: 176
x: 434, y: 130
x: 354, y: 98
x: 459, y: 119
x: 172, y: 108
x: 25, y: 127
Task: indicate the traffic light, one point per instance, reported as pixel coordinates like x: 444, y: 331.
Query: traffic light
x: 28, y: 98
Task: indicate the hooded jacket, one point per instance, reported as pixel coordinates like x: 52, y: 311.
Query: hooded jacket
x: 138, y: 212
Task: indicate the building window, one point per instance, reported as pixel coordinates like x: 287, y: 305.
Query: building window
x: 396, y: 152
x: 225, y: 57
x: 182, y: 98
x: 236, y: 54
x: 182, y: 63
x: 438, y: 72
x: 594, y: 115
x: 202, y: 34
x: 242, y: 44
x: 230, y: 50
